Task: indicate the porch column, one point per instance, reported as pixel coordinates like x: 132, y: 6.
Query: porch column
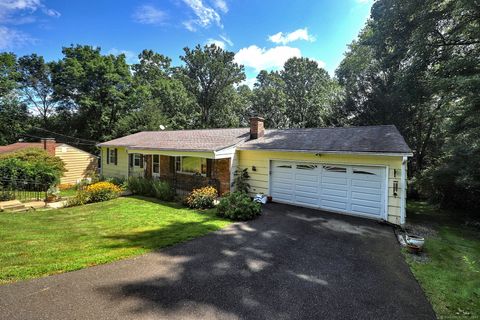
x: 221, y: 172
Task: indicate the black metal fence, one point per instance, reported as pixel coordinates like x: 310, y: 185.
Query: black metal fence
x: 22, y: 190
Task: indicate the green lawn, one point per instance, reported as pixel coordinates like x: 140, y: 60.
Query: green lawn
x: 47, y: 242
x: 68, y: 192
x: 451, y: 277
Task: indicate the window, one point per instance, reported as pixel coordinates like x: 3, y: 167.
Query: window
x: 192, y: 165
x: 335, y: 169
x: 306, y: 166
x: 136, y: 160
x: 112, y: 156
x: 156, y: 163
x: 362, y: 172
x: 285, y: 166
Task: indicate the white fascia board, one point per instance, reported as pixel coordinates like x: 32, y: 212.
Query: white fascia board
x: 225, y: 153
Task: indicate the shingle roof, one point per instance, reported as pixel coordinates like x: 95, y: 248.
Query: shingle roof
x: 21, y: 145
x: 182, y: 140
x: 379, y: 139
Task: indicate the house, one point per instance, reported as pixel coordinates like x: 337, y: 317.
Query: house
x: 354, y: 170
x: 78, y: 163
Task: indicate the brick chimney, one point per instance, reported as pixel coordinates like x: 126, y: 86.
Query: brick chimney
x: 256, y: 127
x: 48, y: 145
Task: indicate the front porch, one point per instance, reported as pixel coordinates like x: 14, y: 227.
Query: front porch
x: 184, y: 173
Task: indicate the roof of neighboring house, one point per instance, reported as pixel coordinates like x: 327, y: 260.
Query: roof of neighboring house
x: 374, y: 139
x: 369, y: 139
x: 21, y: 145
x: 204, y: 140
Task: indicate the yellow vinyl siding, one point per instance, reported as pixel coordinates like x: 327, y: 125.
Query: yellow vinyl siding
x: 111, y: 170
x: 259, y: 179
x: 79, y: 164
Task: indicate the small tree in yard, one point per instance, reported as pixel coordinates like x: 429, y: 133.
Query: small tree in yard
x: 33, y: 165
x: 240, y: 181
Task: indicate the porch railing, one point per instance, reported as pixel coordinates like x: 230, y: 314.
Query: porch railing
x: 22, y: 190
x: 187, y: 183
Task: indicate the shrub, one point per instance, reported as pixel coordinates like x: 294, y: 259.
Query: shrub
x: 141, y: 186
x: 238, y: 206
x: 80, y: 198
x: 240, y: 181
x: 162, y: 190
x: 202, y: 198
x: 32, y: 164
x: 102, y: 191
x: 151, y: 188
x: 7, y: 195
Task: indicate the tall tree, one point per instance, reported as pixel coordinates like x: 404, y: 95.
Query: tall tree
x: 208, y: 73
x: 13, y: 114
x: 35, y: 82
x: 269, y: 99
x: 92, y: 90
x: 307, y: 88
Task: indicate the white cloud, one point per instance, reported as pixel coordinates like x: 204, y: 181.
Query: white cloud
x: 51, y: 12
x: 205, y: 15
x: 221, y: 5
x: 284, y: 38
x: 218, y: 43
x: 11, y: 38
x: 261, y: 58
x: 130, y: 56
x: 148, y: 14
x: 320, y: 63
x: 226, y: 40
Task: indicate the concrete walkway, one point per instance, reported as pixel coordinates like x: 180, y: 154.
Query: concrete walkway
x: 292, y: 263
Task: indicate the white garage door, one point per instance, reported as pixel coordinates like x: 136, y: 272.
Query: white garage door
x: 352, y: 189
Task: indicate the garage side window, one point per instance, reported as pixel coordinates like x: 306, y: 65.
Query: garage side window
x: 335, y: 169
x: 286, y: 166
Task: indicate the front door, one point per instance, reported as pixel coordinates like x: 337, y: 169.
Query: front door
x: 156, y: 166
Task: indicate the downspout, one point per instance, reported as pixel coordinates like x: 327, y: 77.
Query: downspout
x: 403, y: 192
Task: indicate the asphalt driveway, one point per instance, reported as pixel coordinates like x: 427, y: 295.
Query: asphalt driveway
x: 292, y: 263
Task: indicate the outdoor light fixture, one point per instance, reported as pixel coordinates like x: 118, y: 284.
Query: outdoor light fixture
x: 254, y: 168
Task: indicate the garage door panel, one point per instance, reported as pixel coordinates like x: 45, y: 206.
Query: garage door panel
x: 366, y: 209
x: 366, y: 184
x: 354, y: 189
x: 334, y: 205
x: 335, y: 192
x: 332, y: 180
x: 366, y: 196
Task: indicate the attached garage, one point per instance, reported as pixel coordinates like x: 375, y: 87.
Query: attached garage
x: 353, y: 170
x: 359, y: 190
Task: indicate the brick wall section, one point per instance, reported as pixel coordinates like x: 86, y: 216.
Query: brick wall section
x: 257, y: 129
x: 165, y: 167
x: 49, y: 145
x: 221, y: 172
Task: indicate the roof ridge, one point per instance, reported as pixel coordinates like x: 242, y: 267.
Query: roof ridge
x: 322, y: 128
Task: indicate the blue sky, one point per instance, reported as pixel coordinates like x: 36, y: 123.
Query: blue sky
x: 263, y: 34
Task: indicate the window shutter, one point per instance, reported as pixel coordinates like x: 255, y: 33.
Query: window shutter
x: 116, y: 156
x: 141, y: 161
x: 108, y: 155
x: 209, y: 167
x: 130, y: 160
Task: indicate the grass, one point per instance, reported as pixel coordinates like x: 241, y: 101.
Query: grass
x: 48, y: 242
x: 451, y: 277
x: 68, y: 192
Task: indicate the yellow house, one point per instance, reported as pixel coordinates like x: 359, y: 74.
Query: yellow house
x: 78, y: 163
x: 355, y: 170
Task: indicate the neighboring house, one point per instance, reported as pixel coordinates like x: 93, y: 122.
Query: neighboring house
x: 79, y: 164
x: 354, y: 170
